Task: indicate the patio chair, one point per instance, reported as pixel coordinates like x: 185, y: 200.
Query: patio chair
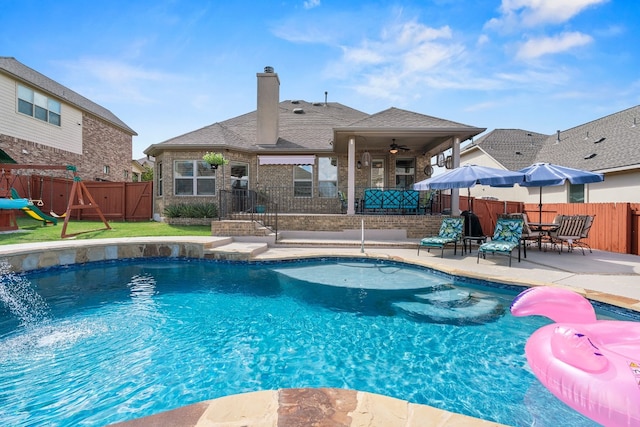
x: 506, y: 237
x: 569, y: 232
x: 528, y: 233
x: 585, y: 233
x: 451, y: 231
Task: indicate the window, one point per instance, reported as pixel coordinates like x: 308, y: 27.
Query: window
x: 328, y: 176
x: 159, y: 173
x: 37, y: 105
x: 194, y: 177
x: 239, y: 176
x: 576, y: 193
x: 377, y: 173
x: 405, y: 173
x: 106, y: 169
x: 302, y: 180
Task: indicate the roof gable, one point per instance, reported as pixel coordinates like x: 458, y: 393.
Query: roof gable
x: 398, y: 118
x: 21, y: 72
x: 512, y: 148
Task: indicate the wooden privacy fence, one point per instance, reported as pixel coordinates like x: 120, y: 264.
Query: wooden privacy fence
x: 615, y: 226
x: 118, y: 201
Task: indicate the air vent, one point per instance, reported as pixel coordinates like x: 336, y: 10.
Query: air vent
x: 298, y: 111
x: 599, y: 141
x: 590, y: 156
x: 295, y: 102
x: 518, y: 153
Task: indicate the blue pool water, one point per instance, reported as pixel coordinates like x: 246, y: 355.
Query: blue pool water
x: 107, y: 342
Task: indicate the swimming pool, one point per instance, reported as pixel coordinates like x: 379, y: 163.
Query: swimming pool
x: 107, y: 342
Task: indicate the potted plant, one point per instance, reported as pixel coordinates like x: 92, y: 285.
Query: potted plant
x: 261, y: 201
x: 215, y: 159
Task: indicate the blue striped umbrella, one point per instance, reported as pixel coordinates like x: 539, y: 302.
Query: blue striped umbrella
x: 548, y: 174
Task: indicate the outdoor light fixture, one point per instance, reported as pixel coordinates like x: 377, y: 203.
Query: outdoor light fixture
x: 359, y: 164
x: 366, y: 159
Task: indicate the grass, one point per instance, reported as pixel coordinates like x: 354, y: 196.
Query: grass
x: 32, y: 231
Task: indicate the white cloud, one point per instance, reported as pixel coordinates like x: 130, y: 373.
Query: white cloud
x: 118, y: 80
x: 310, y: 4
x: 516, y: 14
x: 537, y: 47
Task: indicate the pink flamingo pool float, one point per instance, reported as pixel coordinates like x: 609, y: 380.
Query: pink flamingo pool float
x: 591, y: 365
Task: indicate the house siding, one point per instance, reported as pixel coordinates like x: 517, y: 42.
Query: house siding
x: 67, y: 136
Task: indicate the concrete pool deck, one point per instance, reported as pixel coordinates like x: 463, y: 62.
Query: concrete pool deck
x: 601, y: 276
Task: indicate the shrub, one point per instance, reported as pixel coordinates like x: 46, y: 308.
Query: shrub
x: 192, y: 210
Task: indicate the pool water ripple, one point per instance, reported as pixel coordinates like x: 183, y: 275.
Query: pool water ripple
x: 139, y: 338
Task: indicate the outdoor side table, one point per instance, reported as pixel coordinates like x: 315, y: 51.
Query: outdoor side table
x: 466, y: 240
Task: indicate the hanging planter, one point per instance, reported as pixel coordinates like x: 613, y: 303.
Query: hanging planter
x: 215, y: 160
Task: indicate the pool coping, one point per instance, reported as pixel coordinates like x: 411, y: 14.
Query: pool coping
x: 284, y: 407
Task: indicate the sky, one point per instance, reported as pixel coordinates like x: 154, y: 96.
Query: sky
x: 167, y: 67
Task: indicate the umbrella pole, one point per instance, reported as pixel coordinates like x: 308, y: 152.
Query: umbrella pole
x: 540, y: 207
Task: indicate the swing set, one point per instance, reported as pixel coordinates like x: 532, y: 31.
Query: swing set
x: 78, y: 198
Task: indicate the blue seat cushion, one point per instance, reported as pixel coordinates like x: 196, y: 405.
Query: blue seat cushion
x: 436, y: 241
x: 497, y: 246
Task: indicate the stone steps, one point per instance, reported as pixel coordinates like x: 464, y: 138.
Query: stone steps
x: 237, y: 251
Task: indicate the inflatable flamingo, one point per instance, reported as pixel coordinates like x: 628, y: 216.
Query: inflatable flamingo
x: 591, y: 365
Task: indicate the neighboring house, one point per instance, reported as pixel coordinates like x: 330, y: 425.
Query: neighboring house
x: 608, y: 145
x: 509, y: 149
x: 43, y: 122
x: 309, y: 151
x: 139, y: 167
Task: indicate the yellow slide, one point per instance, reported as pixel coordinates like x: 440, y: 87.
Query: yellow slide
x: 33, y: 211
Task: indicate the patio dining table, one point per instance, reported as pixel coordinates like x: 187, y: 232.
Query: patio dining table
x: 544, y: 228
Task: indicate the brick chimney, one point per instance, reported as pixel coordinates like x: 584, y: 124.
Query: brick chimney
x: 268, y: 107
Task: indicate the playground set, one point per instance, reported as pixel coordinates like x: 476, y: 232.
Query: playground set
x: 78, y: 198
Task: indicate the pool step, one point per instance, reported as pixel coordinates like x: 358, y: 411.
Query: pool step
x: 450, y: 295
x: 450, y: 304
x: 237, y: 251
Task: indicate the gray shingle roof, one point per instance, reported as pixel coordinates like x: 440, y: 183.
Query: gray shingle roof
x: 21, y: 72
x: 398, y: 118
x: 512, y: 148
x: 310, y: 128
x: 583, y: 147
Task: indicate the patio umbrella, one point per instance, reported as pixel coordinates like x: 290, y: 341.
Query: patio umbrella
x: 468, y: 176
x: 548, y: 174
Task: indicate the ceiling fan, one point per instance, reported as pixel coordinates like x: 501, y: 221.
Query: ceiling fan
x: 394, y: 148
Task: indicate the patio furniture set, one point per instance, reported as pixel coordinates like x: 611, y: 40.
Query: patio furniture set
x: 512, y: 232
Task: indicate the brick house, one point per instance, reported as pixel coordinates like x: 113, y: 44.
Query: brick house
x: 306, y: 153
x: 43, y: 122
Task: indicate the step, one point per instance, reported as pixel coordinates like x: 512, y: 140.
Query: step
x: 476, y: 311
x: 237, y: 251
x: 345, y: 243
x: 449, y: 296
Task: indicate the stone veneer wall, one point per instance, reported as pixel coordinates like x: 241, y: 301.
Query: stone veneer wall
x: 68, y: 253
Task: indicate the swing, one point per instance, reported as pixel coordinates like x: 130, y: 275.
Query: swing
x: 37, y: 202
x: 52, y: 213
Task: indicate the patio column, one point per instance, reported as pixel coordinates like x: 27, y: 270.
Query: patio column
x: 351, y: 176
x: 455, y: 192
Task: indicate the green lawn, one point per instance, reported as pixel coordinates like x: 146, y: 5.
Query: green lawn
x: 31, y: 231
